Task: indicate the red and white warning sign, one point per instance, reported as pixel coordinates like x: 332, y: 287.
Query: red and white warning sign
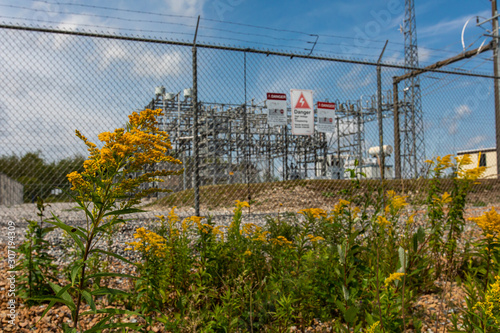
x: 326, y: 117
x: 276, y: 109
x: 302, y: 112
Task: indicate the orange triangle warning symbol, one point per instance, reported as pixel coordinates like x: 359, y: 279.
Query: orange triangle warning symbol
x: 302, y: 102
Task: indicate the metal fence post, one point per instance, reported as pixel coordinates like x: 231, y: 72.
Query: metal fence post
x: 196, y: 139
x: 397, y: 139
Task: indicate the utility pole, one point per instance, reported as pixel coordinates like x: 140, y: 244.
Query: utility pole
x: 379, y: 115
x: 496, y: 68
x: 196, y: 139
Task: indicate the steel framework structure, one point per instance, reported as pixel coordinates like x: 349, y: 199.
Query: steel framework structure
x: 412, y: 130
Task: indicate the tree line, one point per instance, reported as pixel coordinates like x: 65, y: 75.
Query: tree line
x: 39, y: 176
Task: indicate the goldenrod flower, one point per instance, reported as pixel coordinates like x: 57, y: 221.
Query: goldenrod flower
x: 123, y: 153
x: 173, y: 217
x: 76, y: 180
x: 218, y: 232
x: 248, y: 253
x: 315, y: 239
x: 396, y: 202
x: 149, y: 242
x: 339, y: 207
x: 241, y: 204
x: 372, y: 328
x: 314, y: 212
x: 489, y: 222
x: 491, y: 304
x: 282, y: 241
x: 382, y: 221
x: 471, y: 174
x: 443, y: 163
x: 444, y: 199
x: 393, y: 277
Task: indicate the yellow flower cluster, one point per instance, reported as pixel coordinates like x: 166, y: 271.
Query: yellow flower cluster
x: 126, y: 151
x: 76, y: 180
x: 172, y: 216
x: 382, y: 221
x: 489, y: 222
x: 441, y: 163
x: 460, y: 163
x: 393, y: 277
x: 443, y: 200
x: 247, y: 253
x: 240, y: 204
x: 313, y: 212
x: 396, y: 203
x: 148, y: 242
x: 491, y: 302
x: 463, y: 160
x: 411, y: 219
x: 315, y: 239
x: 339, y: 207
x: 254, y: 232
x: 372, y: 328
x: 282, y: 241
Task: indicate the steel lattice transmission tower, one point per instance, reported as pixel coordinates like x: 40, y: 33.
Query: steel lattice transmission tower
x: 413, y: 151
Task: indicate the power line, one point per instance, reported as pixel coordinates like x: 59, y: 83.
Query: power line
x: 192, y: 25
x: 223, y: 22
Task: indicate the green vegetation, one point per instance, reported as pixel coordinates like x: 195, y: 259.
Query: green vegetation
x: 40, y: 177
x: 358, y: 267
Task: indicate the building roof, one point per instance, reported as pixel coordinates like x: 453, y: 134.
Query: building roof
x: 473, y: 151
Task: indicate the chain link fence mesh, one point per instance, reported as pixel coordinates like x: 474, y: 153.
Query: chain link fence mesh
x: 55, y: 82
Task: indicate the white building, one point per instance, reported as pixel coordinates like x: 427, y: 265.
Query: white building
x: 486, y: 157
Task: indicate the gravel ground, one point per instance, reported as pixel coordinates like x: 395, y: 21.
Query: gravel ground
x: 432, y: 305
x: 19, y: 214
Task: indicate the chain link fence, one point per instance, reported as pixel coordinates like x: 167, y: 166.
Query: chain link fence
x: 53, y: 82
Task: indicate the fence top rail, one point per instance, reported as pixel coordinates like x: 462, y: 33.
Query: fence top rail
x: 236, y: 49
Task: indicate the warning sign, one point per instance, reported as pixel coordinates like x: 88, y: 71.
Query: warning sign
x: 326, y: 117
x: 302, y: 112
x: 276, y: 109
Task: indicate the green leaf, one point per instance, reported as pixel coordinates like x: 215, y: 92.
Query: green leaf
x: 108, y: 291
x: 63, y: 292
x: 80, y: 205
x: 112, y: 311
x: 125, y: 211
x: 74, y: 272
x: 51, y: 304
x: 350, y: 314
x: 104, y: 274
x: 89, y: 299
x: 55, y: 300
x: 113, y: 255
x: 133, y: 326
x: 72, y: 231
x: 67, y: 329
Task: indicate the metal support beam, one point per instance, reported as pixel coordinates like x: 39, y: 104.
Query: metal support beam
x: 496, y: 68
x: 196, y: 139
x: 379, y: 115
x: 397, y: 137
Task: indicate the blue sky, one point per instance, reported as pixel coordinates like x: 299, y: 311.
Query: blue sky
x: 342, y: 26
x: 457, y: 110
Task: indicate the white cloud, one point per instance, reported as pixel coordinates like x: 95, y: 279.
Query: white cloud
x: 151, y: 64
x: 459, y: 113
x: 355, y: 78
x: 473, y: 142
x: 185, y: 7
x: 423, y: 54
x: 454, y: 25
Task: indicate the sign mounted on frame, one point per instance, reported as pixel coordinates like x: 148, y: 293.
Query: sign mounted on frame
x: 276, y: 109
x: 326, y: 116
x: 302, y: 112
